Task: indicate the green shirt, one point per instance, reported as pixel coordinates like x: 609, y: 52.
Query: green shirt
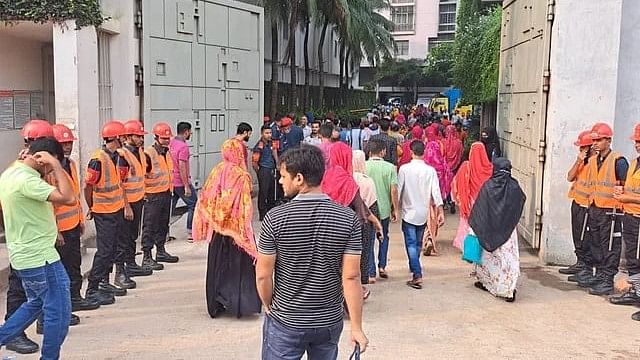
x: 29, y: 221
x: 384, y: 175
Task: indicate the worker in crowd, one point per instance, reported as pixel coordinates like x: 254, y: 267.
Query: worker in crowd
x: 630, y: 198
x: 264, y: 160
x: 32, y: 130
x: 105, y: 199
x: 183, y: 189
x: 579, y: 194
x: 607, y: 175
x: 159, y: 192
x: 134, y: 190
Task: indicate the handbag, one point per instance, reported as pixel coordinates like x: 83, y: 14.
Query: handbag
x: 472, y: 251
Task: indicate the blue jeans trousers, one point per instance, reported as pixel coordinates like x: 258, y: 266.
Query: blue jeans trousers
x: 48, y: 291
x: 178, y: 193
x: 413, y: 243
x: 280, y: 342
x: 383, y: 249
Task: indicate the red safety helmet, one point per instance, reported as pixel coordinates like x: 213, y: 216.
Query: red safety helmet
x: 286, y: 121
x: 36, y: 129
x: 134, y: 127
x: 63, y: 134
x: 584, y: 139
x: 162, y: 130
x: 112, y: 129
x: 636, y: 133
x: 601, y: 131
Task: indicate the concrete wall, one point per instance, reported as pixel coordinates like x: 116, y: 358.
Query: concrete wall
x: 594, y: 78
x: 426, y: 22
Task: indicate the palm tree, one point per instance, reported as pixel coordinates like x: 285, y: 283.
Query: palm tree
x: 277, y: 10
x: 293, y: 26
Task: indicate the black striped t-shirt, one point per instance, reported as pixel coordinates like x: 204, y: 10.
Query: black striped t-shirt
x: 309, y: 236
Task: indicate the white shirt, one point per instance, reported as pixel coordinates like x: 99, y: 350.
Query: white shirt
x: 313, y: 140
x: 306, y: 131
x: 418, y: 185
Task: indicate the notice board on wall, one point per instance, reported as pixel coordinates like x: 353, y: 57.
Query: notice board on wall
x: 19, y: 106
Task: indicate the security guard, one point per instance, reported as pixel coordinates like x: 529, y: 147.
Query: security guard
x: 607, y: 175
x: 630, y: 197
x: 133, y: 185
x: 157, y: 208
x: 32, y: 130
x: 264, y: 160
x: 104, y: 195
x: 580, y: 191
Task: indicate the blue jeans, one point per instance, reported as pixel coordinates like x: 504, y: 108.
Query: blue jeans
x: 413, y: 243
x: 280, y: 342
x: 48, y: 290
x: 178, y: 193
x: 383, y: 249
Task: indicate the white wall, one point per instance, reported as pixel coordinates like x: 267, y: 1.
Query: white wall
x: 586, y: 66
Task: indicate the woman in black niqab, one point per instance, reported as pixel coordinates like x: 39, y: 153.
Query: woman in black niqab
x: 489, y: 138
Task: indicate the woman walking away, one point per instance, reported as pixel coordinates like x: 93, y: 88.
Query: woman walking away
x: 370, y: 198
x: 223, y: 217
x: 491, y: 142
x: 494, y: 219
x: 467, y: 183
x: 453, y: 149
x: 433, y: 157
x: 416, y: 134
x: 338, y: 183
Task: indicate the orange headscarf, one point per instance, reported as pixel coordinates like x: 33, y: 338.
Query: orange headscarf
x: 471, y: 176
x: 224, y: 205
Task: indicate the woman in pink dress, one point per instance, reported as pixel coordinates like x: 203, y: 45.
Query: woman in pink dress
x: 434, y: 158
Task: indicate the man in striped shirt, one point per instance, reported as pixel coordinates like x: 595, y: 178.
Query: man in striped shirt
x: 317, y: 244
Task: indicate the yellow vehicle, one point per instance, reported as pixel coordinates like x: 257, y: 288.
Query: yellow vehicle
x: 439, y: 104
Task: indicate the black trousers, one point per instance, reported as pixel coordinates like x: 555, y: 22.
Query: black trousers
x: 630, y: 238
x: 599, y: 223
x: 126, y: 249
x: 72, y: 259
x: 266, y: 190
x: 155, y: 222
x: 108, y: 232
x: 581, y: 240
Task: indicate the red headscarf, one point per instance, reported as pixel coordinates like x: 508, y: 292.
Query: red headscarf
x: 453, y: 147
x: 432, y: 132
x: 434, y: 158
x: 417, y: 133
x: 471, y: 176
x: 338, y: 182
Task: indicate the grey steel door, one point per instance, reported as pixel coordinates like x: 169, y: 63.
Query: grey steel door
x: 522, y: 100
x: 203, y: 63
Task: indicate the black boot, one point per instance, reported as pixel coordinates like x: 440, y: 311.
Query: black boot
x: 100, y: 297
x: 604, y: 286
x: 80, y: 304
x: 163, y: 256
x: 149, y: 263
x: 73, y: 321
x: 628, y: 298
x: 586, y: 278
x: 635, y: 316
x: 573, y: 269
x: 122, y: 279
x: 105, y: 286
x: 22, y: 345
x: 134, y: 269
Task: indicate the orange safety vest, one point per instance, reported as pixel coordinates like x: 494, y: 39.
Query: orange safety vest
x: 580, y: 189
x: 68, y: 217
x: 134, y: 184
x: 107, y: 193
x: 159, y: 180
x: 603, y: 181
x: 632, y: 185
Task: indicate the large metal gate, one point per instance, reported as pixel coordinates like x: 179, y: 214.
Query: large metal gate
x: 203, y: 63
x: 522, y: 100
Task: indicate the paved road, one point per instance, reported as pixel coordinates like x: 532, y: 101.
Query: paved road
x: 166, y: 318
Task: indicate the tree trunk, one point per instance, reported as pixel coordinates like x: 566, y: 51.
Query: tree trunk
x: 342, y: 48
x: 275, y: 67
x: 346, y: 68
x: 307, y: 68
x: 293, y: 25
x: 321, y: 60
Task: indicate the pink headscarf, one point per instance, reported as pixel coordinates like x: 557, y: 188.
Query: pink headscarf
x: 417, y: 132
x: 453, y: 147
x: 365, y: 183
x: 338, y: 182
x: 433, y: 157
x: 432, y: 132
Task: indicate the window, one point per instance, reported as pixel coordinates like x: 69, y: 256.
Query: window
x: 402, y: 48
x: 403, y: 18
x: 402, y: 1
x: 105, y: 107
x: 447, y: 18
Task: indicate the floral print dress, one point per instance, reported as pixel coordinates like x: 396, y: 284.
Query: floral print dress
x: 500, y: 269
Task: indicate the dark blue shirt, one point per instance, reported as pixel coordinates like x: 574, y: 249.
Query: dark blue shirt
x: 264, y: 150
x: 293, y: 138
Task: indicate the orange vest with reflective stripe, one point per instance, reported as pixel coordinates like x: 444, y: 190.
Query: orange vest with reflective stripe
x: 107, y: 193
x: 134, y: 184
x: 580, y: 189
x: 632, y: 185
x: 603, y: 181
x: 68, y: 217
x: 159, y: 179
